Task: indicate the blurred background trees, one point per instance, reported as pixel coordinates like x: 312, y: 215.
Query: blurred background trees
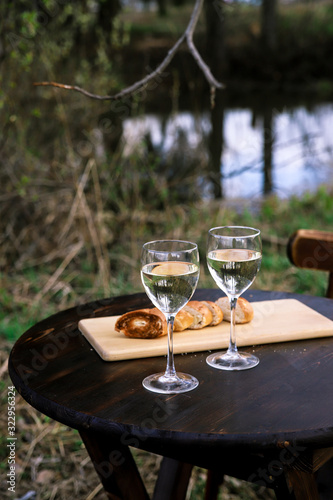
x: 83, y: 182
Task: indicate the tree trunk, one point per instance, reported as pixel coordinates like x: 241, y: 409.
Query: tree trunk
x: 268, y: 137
x: 215, y: 48
x: 215, y: 42
x: 162, y: 7
x: 268, y: 24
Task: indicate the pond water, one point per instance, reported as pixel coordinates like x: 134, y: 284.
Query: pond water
x: 299, y: 144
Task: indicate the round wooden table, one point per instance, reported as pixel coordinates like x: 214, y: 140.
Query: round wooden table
x: 272, y: 425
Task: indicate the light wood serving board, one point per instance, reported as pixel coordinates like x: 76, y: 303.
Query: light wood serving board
x: 274, y: 321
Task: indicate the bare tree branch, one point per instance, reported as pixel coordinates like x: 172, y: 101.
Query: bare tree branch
x: 189, y: 38
x: 143, y: 83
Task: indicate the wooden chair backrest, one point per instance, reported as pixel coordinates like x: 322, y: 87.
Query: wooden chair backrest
x: 311, y: 249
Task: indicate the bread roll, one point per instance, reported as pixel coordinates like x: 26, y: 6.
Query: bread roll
x: 216, y: 312
x: 142, y: 324
x: 244, y: 310
x: 150, y: 323
x: 202, y: 316
x: 183, y: 320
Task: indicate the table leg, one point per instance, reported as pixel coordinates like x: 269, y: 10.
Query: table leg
x: 115, y: 467
x: 301, y: 475
x: 303, y: 485
x: 172, y: 481
x: 214, y: 480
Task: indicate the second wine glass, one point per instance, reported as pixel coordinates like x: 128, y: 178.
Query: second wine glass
x: 234, y: 257
x: 170, y: 273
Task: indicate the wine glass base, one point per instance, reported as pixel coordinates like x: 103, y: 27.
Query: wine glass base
x: 232, y: 362
x: 162, y: 384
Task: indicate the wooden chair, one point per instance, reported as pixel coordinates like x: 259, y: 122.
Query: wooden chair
x: 312, y: 249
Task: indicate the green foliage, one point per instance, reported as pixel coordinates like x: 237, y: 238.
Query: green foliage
x: 141, y: 24
x: 305, y: 33
x: 38, y: 38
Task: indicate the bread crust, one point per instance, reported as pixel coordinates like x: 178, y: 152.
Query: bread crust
x: 202, y: 316
x: 142, y: 324
x: 244, y: 310
x: 183, y: 320
x: 216, y: 312
x: 151, y: 323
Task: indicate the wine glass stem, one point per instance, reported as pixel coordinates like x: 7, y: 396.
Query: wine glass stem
x: 170, y: 369
x: 232, y: 343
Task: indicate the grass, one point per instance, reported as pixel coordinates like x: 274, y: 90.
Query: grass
x: 65, y: 281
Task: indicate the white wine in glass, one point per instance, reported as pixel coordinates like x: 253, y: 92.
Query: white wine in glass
x: 170, y: 274
x: 234, y: 256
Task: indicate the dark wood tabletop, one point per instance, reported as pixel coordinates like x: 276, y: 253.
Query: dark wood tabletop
x: 279, y: 412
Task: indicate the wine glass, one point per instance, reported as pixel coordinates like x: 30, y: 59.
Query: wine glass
x: 170, y: 273
x: 234, y: 257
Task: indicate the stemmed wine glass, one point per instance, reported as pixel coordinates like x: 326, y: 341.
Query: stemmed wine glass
x: 234, y: 257
x: 170, y: 273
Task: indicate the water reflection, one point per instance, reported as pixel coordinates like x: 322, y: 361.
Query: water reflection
x: 287, y: 152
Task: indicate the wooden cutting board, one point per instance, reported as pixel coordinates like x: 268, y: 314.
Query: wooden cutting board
x: 274, y: 321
